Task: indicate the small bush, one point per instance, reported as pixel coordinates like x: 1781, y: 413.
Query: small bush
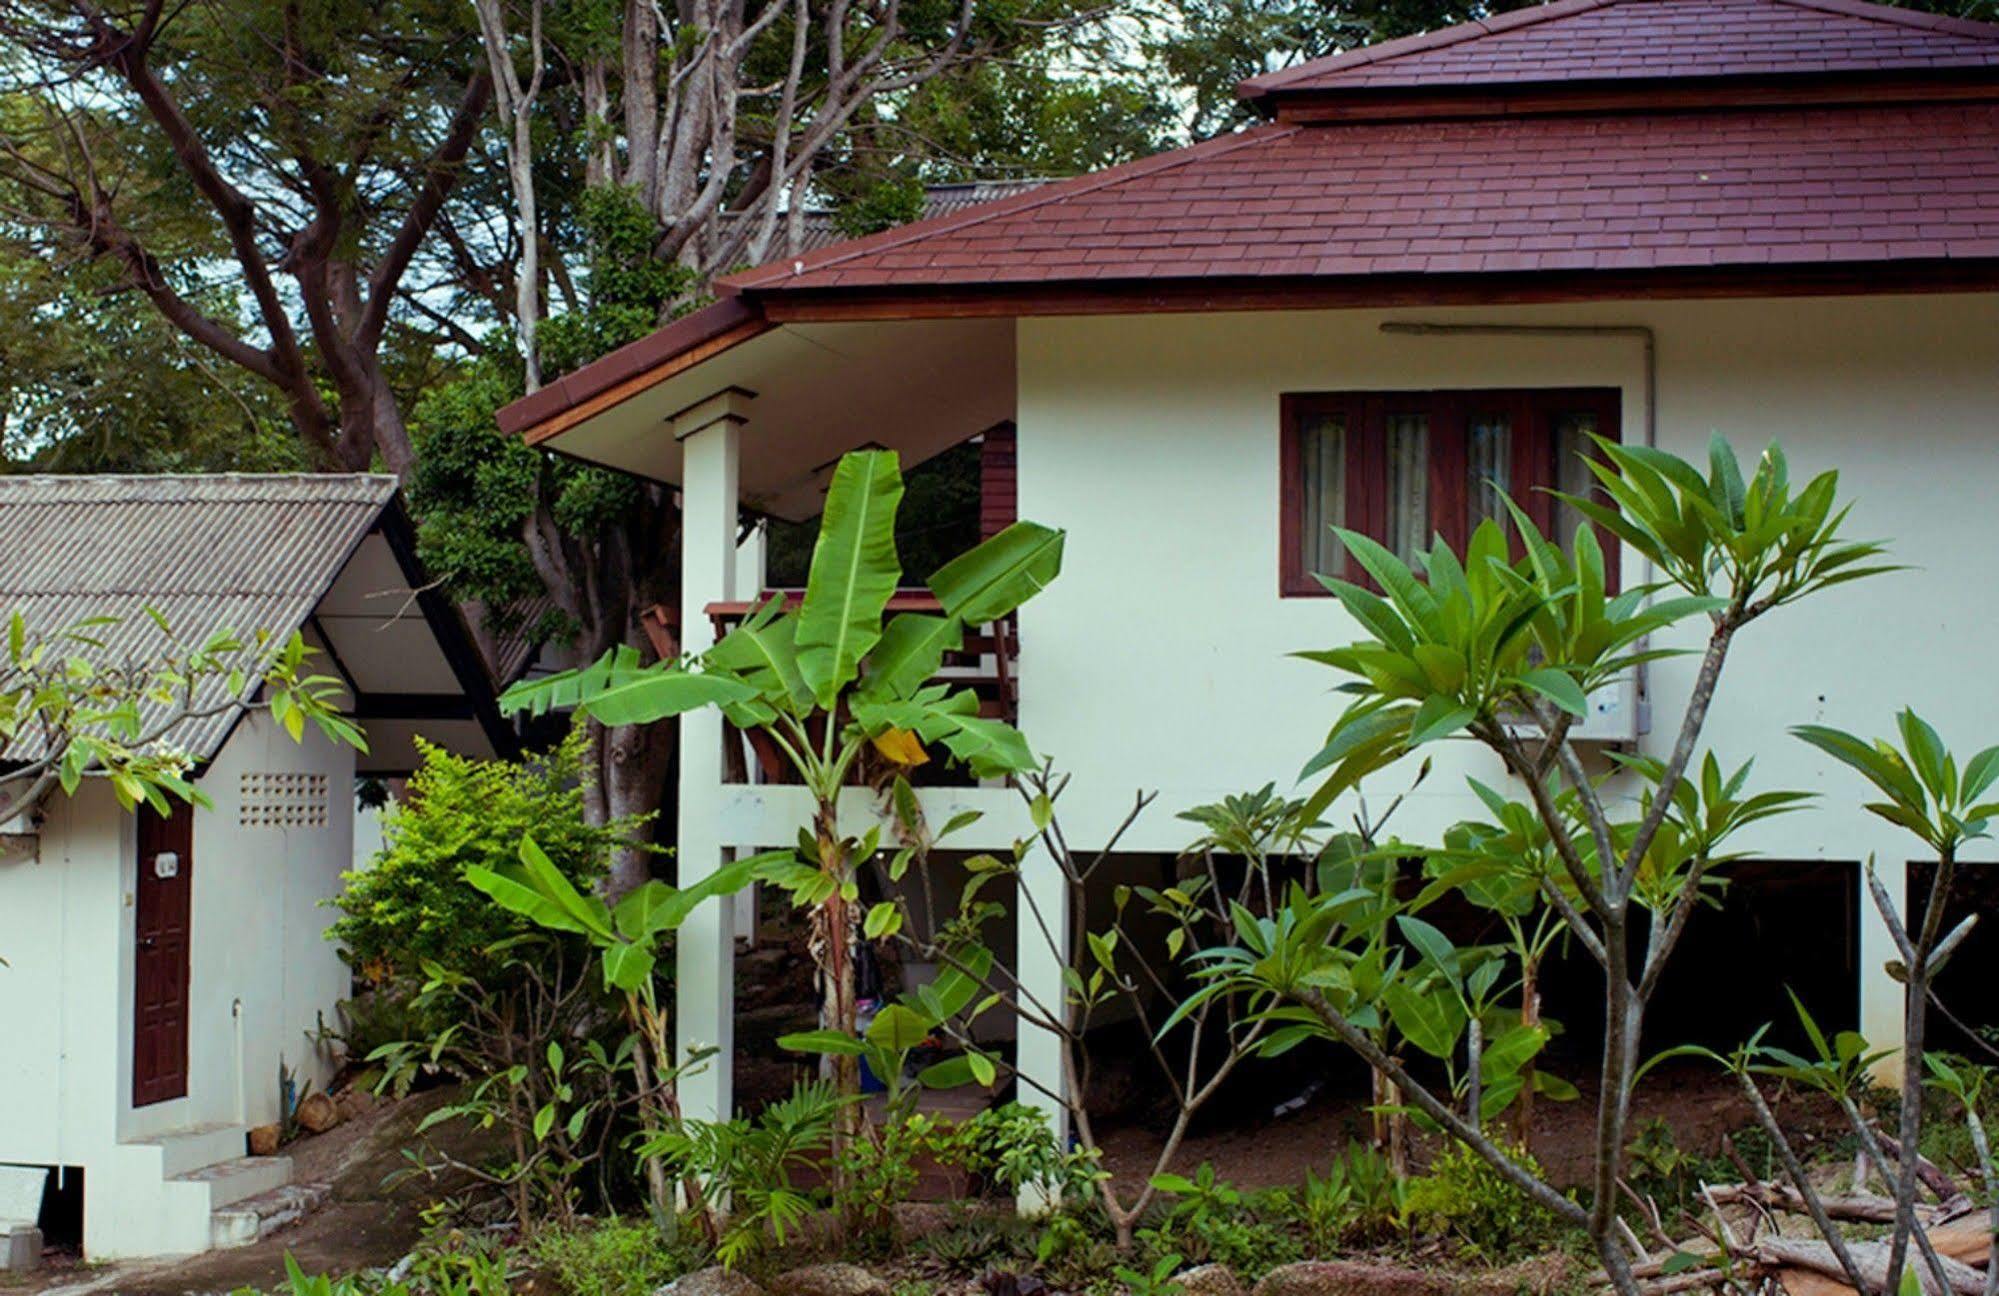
x: 1464, y: 1198
x: 413, y: 905
x: 610, y: 1257
x: 1360, y: 1201
x: 1212, y: 1222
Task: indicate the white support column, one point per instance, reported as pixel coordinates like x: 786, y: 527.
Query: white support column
x: 749, y: 585
x: 705, y: 991
x: 1883, y: 1000
x: 1041, y: 939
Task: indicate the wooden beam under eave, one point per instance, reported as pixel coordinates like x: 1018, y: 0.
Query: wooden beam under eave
x: 557, y: 424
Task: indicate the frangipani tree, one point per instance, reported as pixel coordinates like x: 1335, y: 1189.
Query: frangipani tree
x: 80, y: 711
x: 833, y: 678
x: 1504, y: 645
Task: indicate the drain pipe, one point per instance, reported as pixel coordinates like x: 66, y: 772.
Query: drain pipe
x: 242, y: 1108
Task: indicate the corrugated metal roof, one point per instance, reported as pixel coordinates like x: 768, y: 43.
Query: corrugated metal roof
x: 233, y: 552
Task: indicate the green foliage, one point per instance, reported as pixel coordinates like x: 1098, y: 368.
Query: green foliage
x: 896, y: 198
x: 608, y: 1257
x: 781, y: 667
x: 1476, y: 645
x: 938, y: 520
x: 1464, y: 1198
x: 93, y: 713
x: 630, y: 289
x: 1155, y: 1281
x: 542, y: 1061
x: 1012, y: 1146
x: 92, y: 379
x: 975, y: 1245
x: 1211, y: 1221
x: 1925, y: 791
x: 1360, y: 1201
x: 754, y: 1165
x: 413, y: 905
x: 474, y: 488
x: 628, y: 936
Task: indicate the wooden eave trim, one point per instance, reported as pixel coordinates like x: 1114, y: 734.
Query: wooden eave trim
x: 1359, y: 291
x: 619, y: 393
x: 1678, y: 94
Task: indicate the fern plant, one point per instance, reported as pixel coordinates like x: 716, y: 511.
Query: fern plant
x: 753, y: 1165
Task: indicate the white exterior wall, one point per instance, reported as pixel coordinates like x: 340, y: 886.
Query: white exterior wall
x: 66, y: 929
x: 66, y: 937
x: 1158, y: 659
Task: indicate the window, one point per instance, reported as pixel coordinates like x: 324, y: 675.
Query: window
x: 1401, y: 467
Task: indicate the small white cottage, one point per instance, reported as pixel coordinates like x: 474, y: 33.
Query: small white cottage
x: 159, y: 971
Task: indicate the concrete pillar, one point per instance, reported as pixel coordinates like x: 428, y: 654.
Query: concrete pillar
x: 1041, y: 962
x: 710, y: 436
x: 1882, y: 998
x: 749, y: 585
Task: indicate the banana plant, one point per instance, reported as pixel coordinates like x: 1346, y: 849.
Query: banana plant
x: 628, y: 937
x: 832, y: 679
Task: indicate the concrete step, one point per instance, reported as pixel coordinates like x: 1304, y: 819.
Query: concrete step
x: 255, y: 1218
x: 233, y: 1181
x: 197, y: 1147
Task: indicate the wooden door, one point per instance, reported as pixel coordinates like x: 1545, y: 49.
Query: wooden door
x: 159, y: 1016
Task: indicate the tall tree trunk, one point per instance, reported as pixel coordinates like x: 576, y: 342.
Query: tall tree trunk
x: 633, y: 764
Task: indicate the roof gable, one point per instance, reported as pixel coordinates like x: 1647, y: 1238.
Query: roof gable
x: 1572, y: 41
x: 241, y: 553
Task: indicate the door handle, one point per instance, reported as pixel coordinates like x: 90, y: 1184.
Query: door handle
x: 147, y: 942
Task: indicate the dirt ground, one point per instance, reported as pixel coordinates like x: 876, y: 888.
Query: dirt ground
x: 365, y: 1225
x: 1697, y: 1102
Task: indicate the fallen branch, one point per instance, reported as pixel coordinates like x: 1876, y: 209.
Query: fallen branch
x: 1927, y: 1170
x: 1870, y: 1259
x: 1859, y: 1209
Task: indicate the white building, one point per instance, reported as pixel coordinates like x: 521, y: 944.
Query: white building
x: 160, y: 971
x: 1655, y: 219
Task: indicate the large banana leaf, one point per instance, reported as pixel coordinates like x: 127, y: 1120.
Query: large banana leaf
x: 567, y: 688
x: 617, y: 690
x: 990, y: 748
x: 763, y: 653
x: 854, y: 571
x: 912, y: 650
x: 664, y: 691
x: 987, y: 582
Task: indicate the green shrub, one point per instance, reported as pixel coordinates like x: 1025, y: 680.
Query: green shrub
x: 1464, y: 1198
x: 1012, y: 1146
x: 1212, y: 1222
x: 1359, y: 1201
x: 413, y: 904
x: 755, y: 1165
x: 608, y: 1257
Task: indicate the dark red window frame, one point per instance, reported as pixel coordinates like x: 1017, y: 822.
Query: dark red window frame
x: 1531, y: 411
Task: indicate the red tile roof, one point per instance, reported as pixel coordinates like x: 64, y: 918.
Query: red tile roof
x: 1761, y: 187
x: 1590, y: 40
x: 1820, y: 140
